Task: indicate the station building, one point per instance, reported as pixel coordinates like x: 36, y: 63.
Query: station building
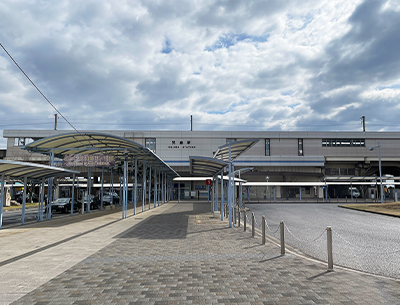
x: 278, y: 156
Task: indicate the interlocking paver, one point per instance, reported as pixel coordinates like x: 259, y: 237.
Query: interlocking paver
x: 183, y: 256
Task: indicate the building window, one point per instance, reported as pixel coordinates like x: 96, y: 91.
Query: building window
x: 343, y: 142
x: 267, y: 147
x: 230, y: 140
x: 22, y: 141
x: 151, y: 144
x: 301, y: 152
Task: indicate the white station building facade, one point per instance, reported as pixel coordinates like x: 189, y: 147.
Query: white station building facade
x: 291, y: 161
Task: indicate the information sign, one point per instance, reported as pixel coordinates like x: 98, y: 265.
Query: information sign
x: 88, y: 160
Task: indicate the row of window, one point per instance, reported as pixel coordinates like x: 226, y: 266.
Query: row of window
x: 325, y: 143
x: 343, y: 142
x: 340, y: 171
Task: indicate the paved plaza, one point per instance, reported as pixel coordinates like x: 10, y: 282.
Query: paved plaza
x: 174, y: 254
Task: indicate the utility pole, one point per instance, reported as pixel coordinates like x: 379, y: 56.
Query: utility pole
x: 363, y: 122
x: 191, y: 123
x: 55, y: 121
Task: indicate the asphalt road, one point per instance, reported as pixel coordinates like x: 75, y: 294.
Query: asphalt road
x: 362, y: 241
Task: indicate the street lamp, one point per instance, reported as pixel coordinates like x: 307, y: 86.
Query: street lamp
x: 380, y: 167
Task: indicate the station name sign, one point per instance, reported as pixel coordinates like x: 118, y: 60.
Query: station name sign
x: 88, y: 160
x: 180, y: 145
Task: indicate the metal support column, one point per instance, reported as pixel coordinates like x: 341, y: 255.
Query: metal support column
x: 159, y: 189
x: 155, y: 187
x: 50, y: 189
x: 222, y: 195
x: 89, y: 189
x: 41, y: 200
x: 164, y: 191
x: 73, y: 194
x: 230, y: 189
x: 24, y: 200
x: 136, y: 187
x: 125, y: 191
x: 300, y: 192
x: 179, y: 191
x: 144, y: 187
x: 213, y: 196
x: 112, y: 187
x: 2, y: 198
x: 216, y: 192
x: 240, y: 193
x: 149, y: 187
x: 102, y: 189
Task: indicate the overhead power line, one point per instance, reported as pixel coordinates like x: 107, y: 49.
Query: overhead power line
x: 54, y: 107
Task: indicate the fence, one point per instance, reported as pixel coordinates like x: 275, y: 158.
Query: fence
x: 282, y: 229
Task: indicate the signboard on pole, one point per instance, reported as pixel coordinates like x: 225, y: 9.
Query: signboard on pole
x: 88, y: 160
x: 208, y: 182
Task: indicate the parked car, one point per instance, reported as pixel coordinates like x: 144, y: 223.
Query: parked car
x: 19, y: 197
x: 354, y: 191
x: 107, y: 198
x: 63, y: 205
x: 94, y: 202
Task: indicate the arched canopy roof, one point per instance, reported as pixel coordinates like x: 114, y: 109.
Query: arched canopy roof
x: 203, y: 166
x: 19, y: 170
x: 237, y: 148
x: 92, y: 143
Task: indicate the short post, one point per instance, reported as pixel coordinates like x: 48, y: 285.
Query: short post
x: 83, y: 205
x: 244, y: 220
x: 282, y: 227
x: 263, y: 230
x: 238, y: 217
x: 329, y: 241
x: 253, y: 229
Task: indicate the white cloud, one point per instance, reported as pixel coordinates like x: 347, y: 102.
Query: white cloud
x: 262, y: 64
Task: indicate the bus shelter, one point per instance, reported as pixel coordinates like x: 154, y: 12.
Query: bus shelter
x: 115, y: 154
x: 223, y: 157
x: 23, y: 171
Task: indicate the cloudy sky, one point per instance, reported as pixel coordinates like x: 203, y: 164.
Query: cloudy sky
x: 233, y: 65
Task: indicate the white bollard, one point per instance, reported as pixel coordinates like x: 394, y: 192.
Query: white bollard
x: 263, y: 230
x: 253, y: 229
x: 329, y: 244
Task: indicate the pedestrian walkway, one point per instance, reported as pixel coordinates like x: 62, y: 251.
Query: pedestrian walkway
x: 174, y: 254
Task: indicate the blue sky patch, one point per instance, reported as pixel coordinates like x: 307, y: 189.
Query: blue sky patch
x: 286, y: 93
x: 397, y: 86
x: 167, y: 47
x: 228, y: 40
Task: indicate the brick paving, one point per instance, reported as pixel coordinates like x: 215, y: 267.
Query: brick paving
x: 183, y: 256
